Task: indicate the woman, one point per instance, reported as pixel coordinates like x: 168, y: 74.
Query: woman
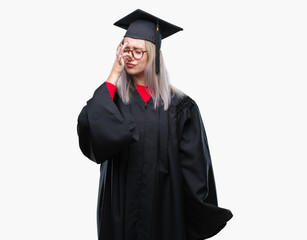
x: 156, y: 177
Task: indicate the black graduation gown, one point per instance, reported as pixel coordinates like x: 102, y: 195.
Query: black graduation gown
x: 156, y: 178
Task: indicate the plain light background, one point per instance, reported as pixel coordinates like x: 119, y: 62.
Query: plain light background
x: 243, y: 62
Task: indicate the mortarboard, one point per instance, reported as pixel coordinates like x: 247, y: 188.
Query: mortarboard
x: 142, y: 25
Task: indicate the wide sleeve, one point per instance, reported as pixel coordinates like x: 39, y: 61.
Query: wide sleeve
x: 104, y: 128
x: 112, y: 88
x: 203, y: 216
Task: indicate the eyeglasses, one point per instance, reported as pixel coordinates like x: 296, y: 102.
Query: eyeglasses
x: 136, y: 53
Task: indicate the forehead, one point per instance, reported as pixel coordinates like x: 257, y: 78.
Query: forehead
x: 135, y: 43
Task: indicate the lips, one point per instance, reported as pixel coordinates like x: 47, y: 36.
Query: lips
x: 130, y: 65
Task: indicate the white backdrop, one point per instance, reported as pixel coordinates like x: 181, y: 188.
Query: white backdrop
x: 243, y: 62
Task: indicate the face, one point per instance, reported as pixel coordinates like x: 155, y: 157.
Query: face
x: 133, y: 66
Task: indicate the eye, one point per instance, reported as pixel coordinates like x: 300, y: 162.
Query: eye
x: 126, y: 50
x: 137, y: 51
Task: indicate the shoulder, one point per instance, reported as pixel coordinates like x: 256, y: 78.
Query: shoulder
x: 182, y: 101
x: 186, y: 112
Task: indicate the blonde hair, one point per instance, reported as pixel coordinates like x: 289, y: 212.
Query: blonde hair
x: 159, y: 86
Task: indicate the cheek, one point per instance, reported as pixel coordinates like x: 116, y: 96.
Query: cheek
x: 143, y: 64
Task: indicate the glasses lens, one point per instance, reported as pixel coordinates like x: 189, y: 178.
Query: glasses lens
x: 137, y: 54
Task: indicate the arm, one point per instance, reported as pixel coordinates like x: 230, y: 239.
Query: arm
x: 118, y: 65
x: 84, y: 134
x: 203, y: 216
x: 103, y: 129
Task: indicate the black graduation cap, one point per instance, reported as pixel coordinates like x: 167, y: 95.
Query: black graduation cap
x: 142, y: 25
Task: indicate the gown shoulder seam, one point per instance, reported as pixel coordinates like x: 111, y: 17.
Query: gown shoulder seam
x: 185, y: 102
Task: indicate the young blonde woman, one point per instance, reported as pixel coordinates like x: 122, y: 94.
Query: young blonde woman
x: 156, y: 180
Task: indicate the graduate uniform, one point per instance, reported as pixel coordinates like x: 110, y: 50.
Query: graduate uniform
x: 156, y: 177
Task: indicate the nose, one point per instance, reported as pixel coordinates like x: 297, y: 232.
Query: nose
x: 128, y: 59
x: 128, y: 55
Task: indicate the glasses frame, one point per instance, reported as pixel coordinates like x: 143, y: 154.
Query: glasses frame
x: 131, y: 51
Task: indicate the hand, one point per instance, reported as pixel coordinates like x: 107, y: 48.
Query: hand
x: 118, y: 65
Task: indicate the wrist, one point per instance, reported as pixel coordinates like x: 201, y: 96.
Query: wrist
x: 113, y: 78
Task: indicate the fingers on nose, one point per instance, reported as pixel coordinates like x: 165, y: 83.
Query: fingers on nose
x: 128, y: 56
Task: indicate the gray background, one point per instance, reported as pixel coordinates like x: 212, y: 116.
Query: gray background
x: 243, y: 62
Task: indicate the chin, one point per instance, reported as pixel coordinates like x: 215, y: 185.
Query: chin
x: 132, y: 71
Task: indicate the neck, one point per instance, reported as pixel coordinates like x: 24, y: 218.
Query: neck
x: 139, y: 80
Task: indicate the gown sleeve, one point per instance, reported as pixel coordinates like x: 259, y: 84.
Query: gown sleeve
x: 103, y: 128
x: 112, y: 89
x: 204, y: 218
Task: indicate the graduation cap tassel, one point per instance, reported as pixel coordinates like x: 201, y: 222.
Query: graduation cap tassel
x: 158, y: 45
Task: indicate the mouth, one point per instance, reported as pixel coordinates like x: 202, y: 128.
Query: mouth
x: 130, y: 65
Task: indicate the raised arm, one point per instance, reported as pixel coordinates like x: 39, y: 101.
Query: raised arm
x: 103, y: 129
